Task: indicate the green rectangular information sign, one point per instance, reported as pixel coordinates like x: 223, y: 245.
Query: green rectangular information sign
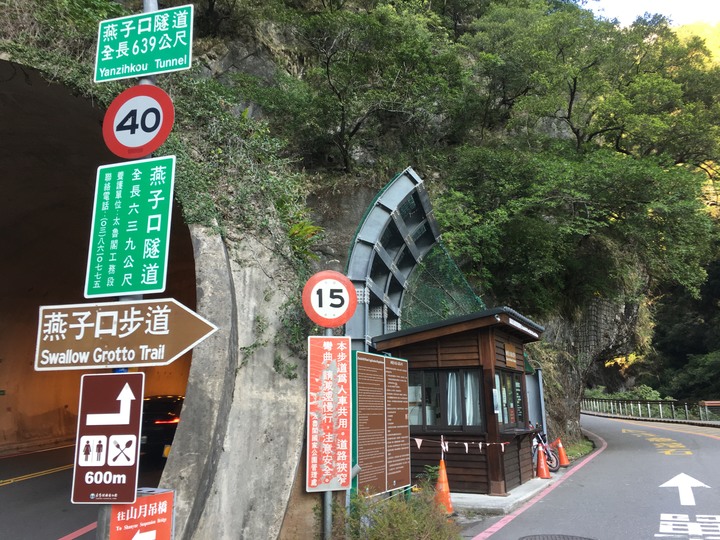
x: 130, y: 232
x: 144, y: 44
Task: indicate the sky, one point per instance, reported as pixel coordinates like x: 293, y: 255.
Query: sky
x: 678, y: 11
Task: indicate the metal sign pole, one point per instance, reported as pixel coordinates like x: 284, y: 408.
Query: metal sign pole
x: 105, y: 511
x: 327, y: 495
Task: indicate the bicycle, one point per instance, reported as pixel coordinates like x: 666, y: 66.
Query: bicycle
x: 540, y: 441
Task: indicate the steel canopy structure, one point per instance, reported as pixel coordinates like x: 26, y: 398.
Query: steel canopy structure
x: 397, y: 231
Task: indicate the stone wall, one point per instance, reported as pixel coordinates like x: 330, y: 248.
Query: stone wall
x: 238, y: 448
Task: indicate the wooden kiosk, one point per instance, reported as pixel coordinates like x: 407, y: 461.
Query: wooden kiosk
x: 467, y: 389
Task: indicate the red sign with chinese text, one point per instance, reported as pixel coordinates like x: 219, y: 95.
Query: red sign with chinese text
x: 150, y: 516
x: 329, y: 421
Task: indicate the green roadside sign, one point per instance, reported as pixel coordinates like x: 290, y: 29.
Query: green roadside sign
x: 130, y: 232
x: 145, y: 44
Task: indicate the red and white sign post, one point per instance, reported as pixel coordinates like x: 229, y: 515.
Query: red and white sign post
x: 329, y: 300
x: 329, y: 419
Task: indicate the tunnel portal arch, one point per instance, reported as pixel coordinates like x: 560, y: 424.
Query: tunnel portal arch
x: 51, y: 145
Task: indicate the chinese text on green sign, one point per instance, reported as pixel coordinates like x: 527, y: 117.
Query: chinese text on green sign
x: 145, y: 44
x: 130, y: 231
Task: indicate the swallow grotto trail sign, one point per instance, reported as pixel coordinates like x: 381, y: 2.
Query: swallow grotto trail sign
x: 137, y: 333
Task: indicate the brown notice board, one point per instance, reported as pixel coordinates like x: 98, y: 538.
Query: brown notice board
x: 381, y: 430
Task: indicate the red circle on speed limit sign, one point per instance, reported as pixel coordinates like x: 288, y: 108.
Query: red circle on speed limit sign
x: 138, y: 121
x: 329, y: 299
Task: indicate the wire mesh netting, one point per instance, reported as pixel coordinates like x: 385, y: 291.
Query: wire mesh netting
x: 437, y: 290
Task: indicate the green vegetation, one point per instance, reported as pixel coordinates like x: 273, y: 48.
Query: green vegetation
x: 578, y: 449
x: 685, y: 359
x: 284, y: 368
x: 640, y: 392
x: 377, y: 79
x: 547, y: 231
x: 403, y: 515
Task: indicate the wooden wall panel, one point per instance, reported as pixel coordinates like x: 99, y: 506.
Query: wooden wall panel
x: 423, y: 356
x: 527, y: 471
x: 459, y: 351
x: 499, y: 351
x: 467, y: 473
x: 501, y: 338
x: 511, y: 462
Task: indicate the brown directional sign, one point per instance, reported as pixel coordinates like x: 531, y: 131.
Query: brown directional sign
x: 138, y: 333
x: 108, y: 436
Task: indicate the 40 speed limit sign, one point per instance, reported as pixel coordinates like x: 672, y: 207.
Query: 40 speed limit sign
x: 138, y: 121
x: 329, y: 299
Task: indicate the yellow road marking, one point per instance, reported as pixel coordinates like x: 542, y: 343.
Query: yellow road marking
x: 35, y: 475
x: 664, y: 445
x: 687, y: 429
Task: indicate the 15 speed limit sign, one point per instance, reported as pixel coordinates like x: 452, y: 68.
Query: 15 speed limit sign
x: 138, y: 121
x: 329, y: 299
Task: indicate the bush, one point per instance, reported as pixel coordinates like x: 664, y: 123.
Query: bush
x: 640, y: 392
x: 402, y: 516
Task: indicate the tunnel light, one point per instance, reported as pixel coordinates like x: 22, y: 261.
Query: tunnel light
x: 171, y: 421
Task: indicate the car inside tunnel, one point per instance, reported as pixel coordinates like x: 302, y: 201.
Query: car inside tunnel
x: 51, y: 147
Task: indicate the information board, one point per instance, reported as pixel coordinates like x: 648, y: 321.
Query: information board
x: 130, y: 233
x: 381, y: 434
x: 329, y: 435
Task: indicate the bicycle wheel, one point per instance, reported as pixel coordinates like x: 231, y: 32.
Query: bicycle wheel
x: 553, y: 462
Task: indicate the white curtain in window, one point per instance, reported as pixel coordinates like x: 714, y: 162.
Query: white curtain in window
x: 454, y: 413
x: 472, y: 398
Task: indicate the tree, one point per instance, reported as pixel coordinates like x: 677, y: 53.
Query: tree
x: 534, y: 60
x: 666, y: 101
x: 686, y: 344
x: 547, y: 231
x: 541, y: 66
x: 367, y: 72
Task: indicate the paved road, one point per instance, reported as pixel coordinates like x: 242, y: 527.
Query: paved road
x: 646, y: 481
x: 35, y: 491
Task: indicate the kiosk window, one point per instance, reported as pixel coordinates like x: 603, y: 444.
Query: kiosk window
x: 447, y: 399
x: 509, y: 400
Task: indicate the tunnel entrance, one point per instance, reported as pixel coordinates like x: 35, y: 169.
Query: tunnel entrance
x: 50, y: 147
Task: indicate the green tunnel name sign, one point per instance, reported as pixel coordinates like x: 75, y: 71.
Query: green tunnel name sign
x: 144, y: 44
x: 130, y: 233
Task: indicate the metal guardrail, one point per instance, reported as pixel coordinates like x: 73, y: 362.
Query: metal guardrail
x: 703, y: 411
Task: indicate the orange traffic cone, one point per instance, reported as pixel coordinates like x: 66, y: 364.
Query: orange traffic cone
x: 542, y: 466
x: 564, y: 461
x: 442, y: 489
